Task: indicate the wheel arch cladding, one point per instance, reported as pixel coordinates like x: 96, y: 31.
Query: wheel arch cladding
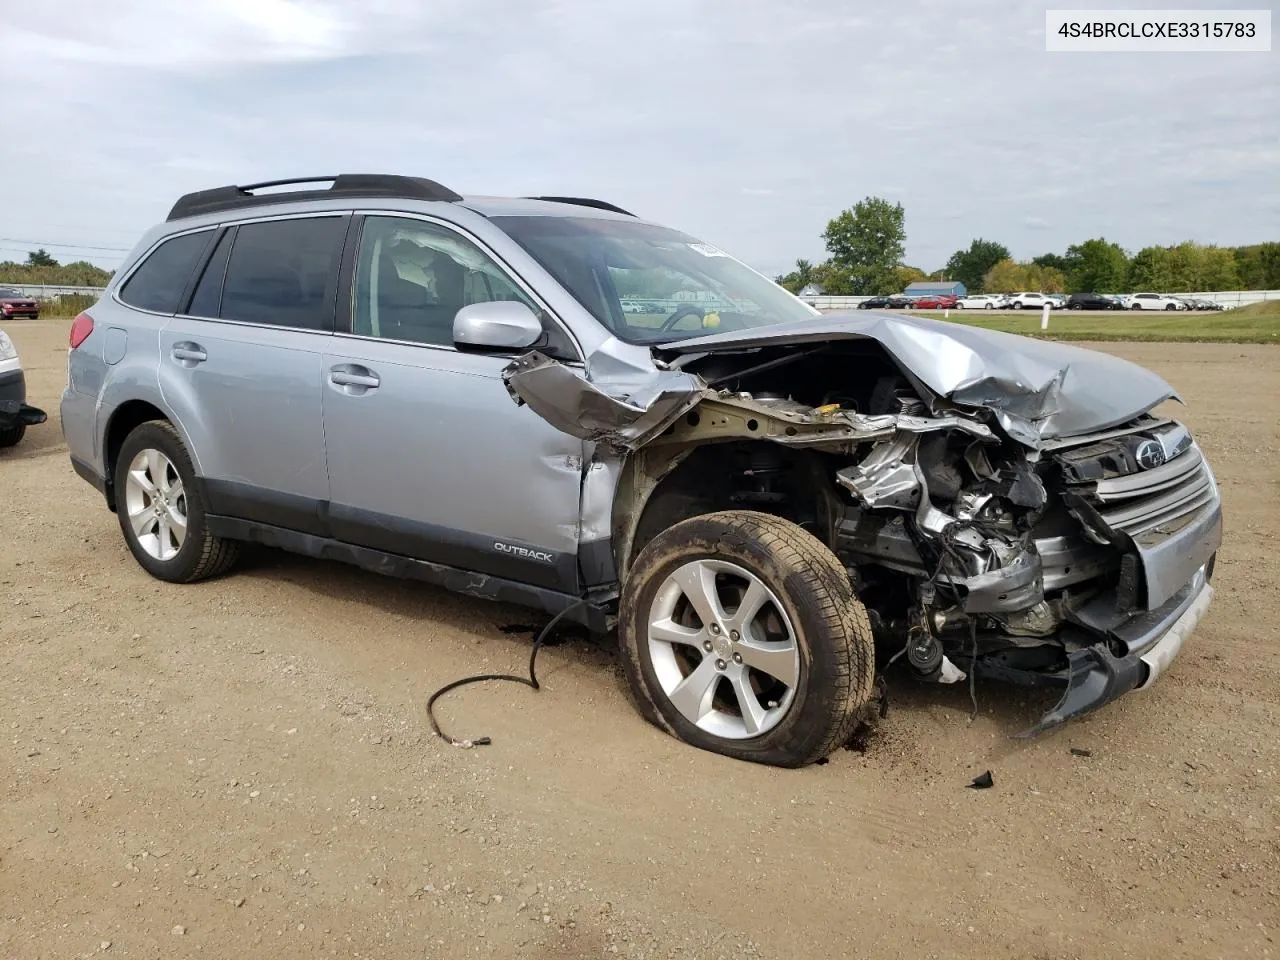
x: 123, y: 421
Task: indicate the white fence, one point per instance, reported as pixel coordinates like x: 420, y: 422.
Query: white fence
x: 1229, y: 298
x: 47, y: 292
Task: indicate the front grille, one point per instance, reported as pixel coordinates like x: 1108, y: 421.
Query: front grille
x: 1140, y: 502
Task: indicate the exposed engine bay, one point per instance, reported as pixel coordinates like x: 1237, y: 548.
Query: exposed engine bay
x: 979, y: 538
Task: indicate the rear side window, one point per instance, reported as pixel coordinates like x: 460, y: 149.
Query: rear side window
x: 208, y: 296
x: 162, y: 279
x: 284, y: 272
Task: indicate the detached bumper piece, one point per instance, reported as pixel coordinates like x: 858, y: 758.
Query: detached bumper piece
x: 1096, y: 676
x: 15, y: 412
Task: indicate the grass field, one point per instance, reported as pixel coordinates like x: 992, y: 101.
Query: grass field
x: 1256, y: 323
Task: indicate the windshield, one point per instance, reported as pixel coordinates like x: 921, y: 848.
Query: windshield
x: 651, y: 284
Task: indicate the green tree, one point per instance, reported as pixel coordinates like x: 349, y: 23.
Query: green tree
x: 797, y: 279
x: 866, y: 243
x: 1052, y: 260
x: 970, y: 266
x: 1145, y: 268
x: 41, y: 258
x: 1044, y: 279
x: 907, y: 275
x: 1009, y: 277
x: 834, y: 280
x: 1005, y: 277
x: 1258, y: 266
x: 1096, y: 266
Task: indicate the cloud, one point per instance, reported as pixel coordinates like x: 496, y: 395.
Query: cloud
x: 748, y: 124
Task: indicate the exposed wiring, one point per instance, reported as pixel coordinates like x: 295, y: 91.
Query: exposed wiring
x: 529, y: 681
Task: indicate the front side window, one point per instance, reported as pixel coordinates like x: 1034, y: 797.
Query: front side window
x: 162, y: 279
x: 674, y: 287
x: 412, y: 278
x: 284, y: 272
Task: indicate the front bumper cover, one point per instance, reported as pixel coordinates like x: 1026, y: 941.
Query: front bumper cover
x: 1096, y: 676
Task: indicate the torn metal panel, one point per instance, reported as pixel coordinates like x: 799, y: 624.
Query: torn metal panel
x: 1036, y: 389
x: 574, y: 405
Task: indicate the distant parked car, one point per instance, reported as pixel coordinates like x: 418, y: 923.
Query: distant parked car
x: 900, y: 301
x: 935, y: 301
x: 1093, y: 301
x: 1030, y: 301
x: 979, y: 301
x: 874, y: 303
x: 13, y: 304
x: 1059, y: 300
x: 1154, y: 301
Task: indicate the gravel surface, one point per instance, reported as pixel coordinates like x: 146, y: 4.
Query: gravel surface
x: 242, y: 768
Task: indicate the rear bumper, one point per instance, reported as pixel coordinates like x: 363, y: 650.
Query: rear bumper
x: 13, y: 407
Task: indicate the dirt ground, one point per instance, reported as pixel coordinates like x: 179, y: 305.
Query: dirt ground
x: 243, y: 768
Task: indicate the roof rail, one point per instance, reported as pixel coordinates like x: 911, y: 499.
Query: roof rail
x: 586, y: 202
x: 344, y: 185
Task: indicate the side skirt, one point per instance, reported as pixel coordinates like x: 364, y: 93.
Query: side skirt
x: 591, y: 614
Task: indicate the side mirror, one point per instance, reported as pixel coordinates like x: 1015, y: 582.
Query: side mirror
x: 498, y: 325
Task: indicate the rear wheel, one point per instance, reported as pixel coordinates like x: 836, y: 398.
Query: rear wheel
x: 740, y: 634
x: 9, y: 436
x: 1171, y: 306
x: 161, y: 508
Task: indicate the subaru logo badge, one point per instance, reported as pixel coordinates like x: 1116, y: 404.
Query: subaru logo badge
x: 1150, y: 454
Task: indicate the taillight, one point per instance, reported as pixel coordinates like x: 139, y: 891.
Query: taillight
x: 81, y: 327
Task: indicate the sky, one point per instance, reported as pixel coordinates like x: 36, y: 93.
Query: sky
x: 747, y: 124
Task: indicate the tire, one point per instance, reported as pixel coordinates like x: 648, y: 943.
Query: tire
x: 1170, y: 306
x: 197, y: 554
x: 958, y: 306
x: 990, y: 306
x: 805, y: 598
x: 10, y: 436
x: 1136, y: 306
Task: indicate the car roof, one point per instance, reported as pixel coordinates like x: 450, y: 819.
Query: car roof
x: 358, y: 190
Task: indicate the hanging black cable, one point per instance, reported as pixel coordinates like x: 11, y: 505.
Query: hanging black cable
x: 529, y: 681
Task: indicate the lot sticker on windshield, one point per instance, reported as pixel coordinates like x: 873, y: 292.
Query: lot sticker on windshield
x: 707, y: 250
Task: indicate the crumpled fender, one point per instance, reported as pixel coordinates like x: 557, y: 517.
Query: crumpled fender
x: 566, y: 399
x: 1037, y: 389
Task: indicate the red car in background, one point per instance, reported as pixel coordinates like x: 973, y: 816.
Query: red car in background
x: 935, y: 301
x: 13, y: 304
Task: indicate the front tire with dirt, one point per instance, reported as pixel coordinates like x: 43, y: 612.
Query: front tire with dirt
x: 740, y: 634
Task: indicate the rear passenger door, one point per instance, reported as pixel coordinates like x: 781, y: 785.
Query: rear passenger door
x: 241, y: 368
x: 428, y: 455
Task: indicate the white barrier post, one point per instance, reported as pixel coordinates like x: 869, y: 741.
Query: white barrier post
x: 946, y: 312
x: 1044, y: 318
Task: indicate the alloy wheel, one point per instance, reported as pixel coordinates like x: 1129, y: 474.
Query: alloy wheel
x: 156, y: 504
x: 723, y: 649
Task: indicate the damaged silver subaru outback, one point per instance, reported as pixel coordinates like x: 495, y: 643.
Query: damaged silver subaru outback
x: 552, y: 402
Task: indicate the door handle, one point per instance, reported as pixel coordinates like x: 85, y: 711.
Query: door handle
x: 353, y: 375
x: 189, y: 353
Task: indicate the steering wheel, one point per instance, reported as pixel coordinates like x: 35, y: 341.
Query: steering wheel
x: 680, y: 314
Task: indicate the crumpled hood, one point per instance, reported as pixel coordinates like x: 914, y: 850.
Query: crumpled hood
x: 1038, y: 389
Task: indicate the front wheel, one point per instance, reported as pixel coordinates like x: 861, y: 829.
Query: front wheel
x: 10, y: 436
x: 740, y: 634
x: 161, y: 508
